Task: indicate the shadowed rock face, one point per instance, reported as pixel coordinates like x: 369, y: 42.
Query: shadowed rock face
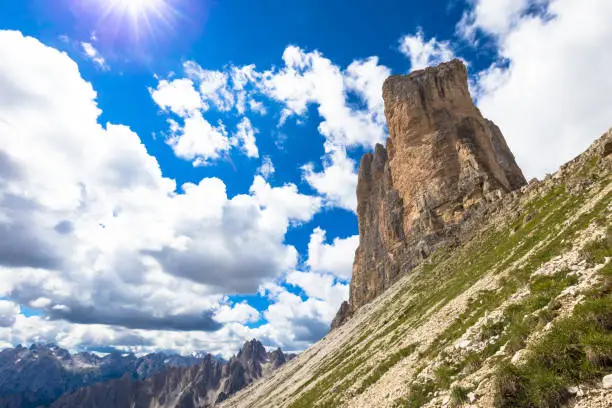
x: 441, y: 162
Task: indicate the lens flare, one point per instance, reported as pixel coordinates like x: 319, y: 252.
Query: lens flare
x: 141, y: 17
x: 136, y: 8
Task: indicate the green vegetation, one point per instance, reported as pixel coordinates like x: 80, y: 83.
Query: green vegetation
x: 517, y: 323
x: 312, y: 397
x: 491, y: 329
x: 383, y: 367
x: 578, y: 349
x: 519, y: 319
x: 596, y: 251
x: 459, y: 395
x: 444, y: 375
x: 419, y: 395
x: 587, y: 170
x: 538, y: 233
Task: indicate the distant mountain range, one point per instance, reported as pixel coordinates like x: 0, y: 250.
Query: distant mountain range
x: 203, y: 385
x: 37, y: 375
x: 48, y: 375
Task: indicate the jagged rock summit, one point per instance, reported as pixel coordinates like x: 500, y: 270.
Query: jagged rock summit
x: 203, y: 385
x: 441, y: 162
x: 36, y: 376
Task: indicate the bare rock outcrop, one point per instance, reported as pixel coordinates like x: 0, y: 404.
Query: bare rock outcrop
x: 341, y: 315
x: 442, y: 161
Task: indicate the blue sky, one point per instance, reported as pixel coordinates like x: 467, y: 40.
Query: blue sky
x: 204, y: 194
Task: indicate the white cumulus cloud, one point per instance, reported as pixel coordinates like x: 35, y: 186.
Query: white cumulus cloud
x: 550, y: 91
x: 8, y: 313
x: 244, y: 138
x: 93, y: 54
x: 178, y: 96
x: 213, y: 86
x: 240, y: 313
x: 337, y: 182
x: 310, y: 78
x: 423, y: 53
x: 267, y: 167
x: 198, y: 140
x: 108, y: 249
x: 495, y: 17
x: 335, y: 258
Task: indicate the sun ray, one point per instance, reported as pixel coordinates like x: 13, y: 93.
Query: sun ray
x: 142, y: 16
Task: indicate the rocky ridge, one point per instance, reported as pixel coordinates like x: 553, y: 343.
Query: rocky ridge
x: 512, y: 309
x: 441, y: 162
x: 202, y: 385
x: 37, y: 375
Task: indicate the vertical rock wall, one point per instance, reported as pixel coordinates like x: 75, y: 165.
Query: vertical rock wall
x: 442, y: 159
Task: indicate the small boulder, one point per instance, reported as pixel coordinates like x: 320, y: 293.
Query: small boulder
x: 607, y: 381
x: 463, y: 344
x: 471, y: 397
x: 520, y: 357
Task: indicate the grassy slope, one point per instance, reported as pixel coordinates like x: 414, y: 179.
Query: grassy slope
x: 401, y: 350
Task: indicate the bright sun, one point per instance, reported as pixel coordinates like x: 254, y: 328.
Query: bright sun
x: 144, y: 17
x: 137, y: 7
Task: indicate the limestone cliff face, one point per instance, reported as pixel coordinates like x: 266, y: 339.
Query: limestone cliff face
x: 442, y: 160
x: 382, y: 249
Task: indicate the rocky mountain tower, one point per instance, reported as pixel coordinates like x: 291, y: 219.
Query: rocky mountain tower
x: 442, y: 160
